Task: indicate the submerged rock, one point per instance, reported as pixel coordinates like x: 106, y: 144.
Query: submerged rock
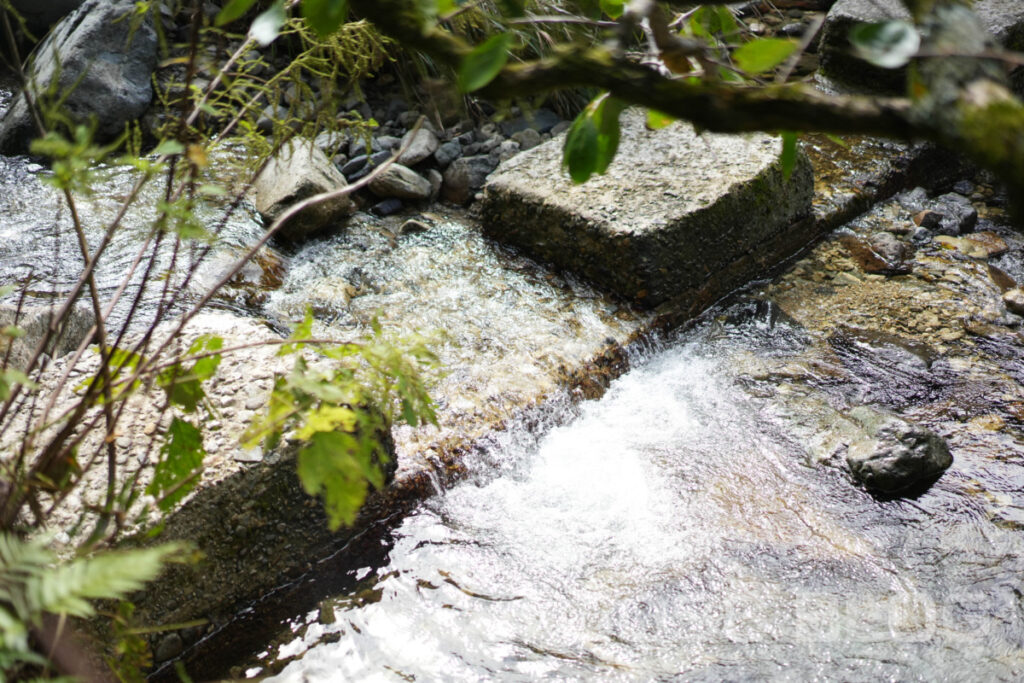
x: 298, y: 172
x: 100, y: 60
x: 677, y: 215
x: 895, y: 455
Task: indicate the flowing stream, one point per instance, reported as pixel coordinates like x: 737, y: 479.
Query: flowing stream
x: 678, y: 527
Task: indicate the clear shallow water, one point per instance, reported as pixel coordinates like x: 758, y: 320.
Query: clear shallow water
x: 678, y: 528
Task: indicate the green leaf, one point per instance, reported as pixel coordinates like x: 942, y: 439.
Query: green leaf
x: 763, y: 54
x: 713, y: 20
x: 303, y: 330
x: 233, y: 10
x: 789, y: 152
x: 180, y: 466
x: 325, y: 16
x: 888, y: 44
x: 169, y: 148
x: 657, y: 120
x: 339, y: 467
x: 266, y: 27
x: 613, y: 8
x: 483, y: 63
x: 110, y: 575
x: 579, y: 154
x: 593, y: 138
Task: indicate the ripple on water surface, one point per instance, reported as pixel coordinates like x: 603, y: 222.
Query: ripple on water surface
x: 676, y: 527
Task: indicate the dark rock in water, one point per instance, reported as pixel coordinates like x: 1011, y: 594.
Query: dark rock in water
x: 1004, y: 19
x: 956, y: 214
x: 882, y: 253
x: 895, y: 455
x: 913, y: 200
x: 964, y: 187
x: 387, y: 207
x: 464, y: 177
x: 100, y: 60
x: 542, y: 121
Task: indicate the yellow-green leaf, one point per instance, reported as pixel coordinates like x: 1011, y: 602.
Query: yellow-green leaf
x: 764, y: 54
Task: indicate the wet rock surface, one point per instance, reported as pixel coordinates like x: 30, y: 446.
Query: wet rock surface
x: 662, y: 223
x: 297, y: 172
x: 895, y: 455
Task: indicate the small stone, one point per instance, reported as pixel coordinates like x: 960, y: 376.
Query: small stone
x: 527, y: 139
x: 436, y: 180
x: 1014, y: 300
x: 386, y: 207
x: 962, y: 245
x: 418, y: 146
x: 411, y: 227
x: 401, y: 182
x: 169, y: 647
x: 964, y: 187
x: 388, y: 142
x: 255, y: 402
x: 957, y: 214
x: 464, y: 177
x: 248, y: 455
x: 560, y: 128
x: 447, y: 153
x: 993, y: 244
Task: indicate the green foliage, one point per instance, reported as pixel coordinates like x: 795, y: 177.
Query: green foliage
x: 180, y: 465
x: 657, y: 120
x: 480, y: 66
x: 233, y: 9
x: 33, y: 583
x: 789, y: 153
x: 184, y: 387
x: 325, y: 16
x: 613, y: 8
x: 888, y: 44
x: 339, y: 410
x: 764, y: 54
x: 593, y: 139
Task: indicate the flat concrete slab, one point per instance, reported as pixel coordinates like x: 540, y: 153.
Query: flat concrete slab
x: 677, y: 215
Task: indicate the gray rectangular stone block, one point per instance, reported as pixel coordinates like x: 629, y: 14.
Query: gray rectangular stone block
x: 678, y: 216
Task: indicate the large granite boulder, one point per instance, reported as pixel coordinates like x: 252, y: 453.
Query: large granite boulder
x: 100, y: 61
x: 679, y: 216
x: 299, y: 171
x: 1004, y: 19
